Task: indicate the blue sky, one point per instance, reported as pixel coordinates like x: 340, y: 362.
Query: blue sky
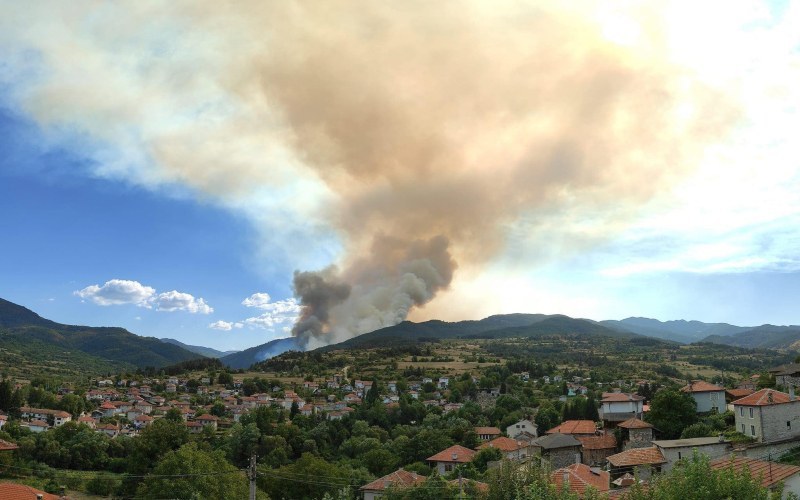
x: 169, y: 173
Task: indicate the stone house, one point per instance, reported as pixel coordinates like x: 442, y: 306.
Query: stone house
x: 595, y: 449
x: 642, y: 462
x: 560, y: 450
x: 768, y: 415
x: 677, y: 449
x: 636, y: 434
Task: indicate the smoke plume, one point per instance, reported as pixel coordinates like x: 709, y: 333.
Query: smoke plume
x: 429, y: 129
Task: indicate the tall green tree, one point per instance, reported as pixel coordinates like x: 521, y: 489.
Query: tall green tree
x: 190, y: 473
x: 671, y: 411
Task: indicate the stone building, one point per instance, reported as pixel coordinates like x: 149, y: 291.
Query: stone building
x: 636, y: 433
x: 678, y: 449
x: 768, y: 416
x: 560, y: 450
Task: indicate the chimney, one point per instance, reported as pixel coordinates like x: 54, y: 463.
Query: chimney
x: 769, y: 396
x: 39, y: 496
x: 565, y: 480
x: 455, y: 456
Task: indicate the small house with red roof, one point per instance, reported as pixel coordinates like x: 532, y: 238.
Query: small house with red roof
x: 709, y: 397
x: 773, y: 475
x: 580, y: 478
x: 641, y: 461
x: 768, y: 415
x: 487, y: 433
x: 210, y: 420
x: 620, y: 406
x: 511, y: 448
x: 575, y: 427
x: 446, y: 460
x: 595, y: 449
x: 398, y: 479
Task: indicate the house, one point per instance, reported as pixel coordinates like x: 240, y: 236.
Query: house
x: 514, y: 430
x: 642, y: 461
x: 619, y: 406
x: 595, y: 449
x: 59, y: 417
x: 709, y: 397
x: 89, y: 421
x: 38, y: 426
x: 772, y: 474
x: 579, y: 478
x: 677, y: 449
x: 111, y: 430
x: 511, y: 448
x: 786, y: 375
x: 7, y: 446
x: 446, y: 460
x: 768, y: 415
x: 208, y: 420
x: 575, y: 427
x: 397, y: 479
x: 443, y: 382
x: 487, y: 433
x: 14, y: 491
x: 635, y: 433
x: 732, y: 395
x: 560, y: 450
x: 194, y: 427
x: 142, y: 421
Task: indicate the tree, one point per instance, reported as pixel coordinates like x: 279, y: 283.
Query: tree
x: 174, y: 415
x: 309, y: 477
x: 190, y: 473
x: 547, y: 417
x: 671, y: 411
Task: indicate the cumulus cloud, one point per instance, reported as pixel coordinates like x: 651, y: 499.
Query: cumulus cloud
x: 275, y: 314
x: 118, y: 292
x: 225, y: 326
x: 257, y: 300
x: 179, y: 301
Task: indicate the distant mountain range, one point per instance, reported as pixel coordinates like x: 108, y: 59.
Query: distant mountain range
x: 198, y: 349
x: 26, y: 338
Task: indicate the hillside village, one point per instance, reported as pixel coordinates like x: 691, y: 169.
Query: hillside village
x: 399, y: 434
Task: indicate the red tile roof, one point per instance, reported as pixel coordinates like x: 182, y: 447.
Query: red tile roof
x: 771, y: 473
x: 503, y: 444
x: 580, y: 477
x: 398, y: 478
x: 637, y: 456
x: 620, y: 397
x: 494, y: 431
x: 13, y: 491
x: 574, y: 427
x: 701, y: 386
x: 455, y: 453
x: 764, y: 397
x: 5, y: 445
x: 739, y: 393
x: 634, y: 423
x: 602, y: 442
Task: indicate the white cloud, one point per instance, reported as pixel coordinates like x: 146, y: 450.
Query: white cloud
x: 225, y: 326
x: 260, y: 299
x: 118, y: 292
x: 179, y: 301
x: 275, y: 313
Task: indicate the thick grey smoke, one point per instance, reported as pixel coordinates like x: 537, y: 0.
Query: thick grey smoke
x: 419, y: 132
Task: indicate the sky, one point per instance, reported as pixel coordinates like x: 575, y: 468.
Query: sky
x: 228, y: 174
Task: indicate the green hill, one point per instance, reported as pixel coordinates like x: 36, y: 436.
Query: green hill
x: 28, y: 340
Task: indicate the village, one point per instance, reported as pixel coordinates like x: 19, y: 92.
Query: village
x: 608, y: 453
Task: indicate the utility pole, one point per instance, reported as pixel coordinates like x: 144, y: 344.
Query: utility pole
x: 251, y: 474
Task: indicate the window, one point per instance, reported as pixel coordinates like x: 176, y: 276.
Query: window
x: 751, y: 413
x: 753, y: 430
x: 448, y: 467
x: 679, y: 455
x: 742, y: 428
x: 788, y: 424
x: 741, y: 411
